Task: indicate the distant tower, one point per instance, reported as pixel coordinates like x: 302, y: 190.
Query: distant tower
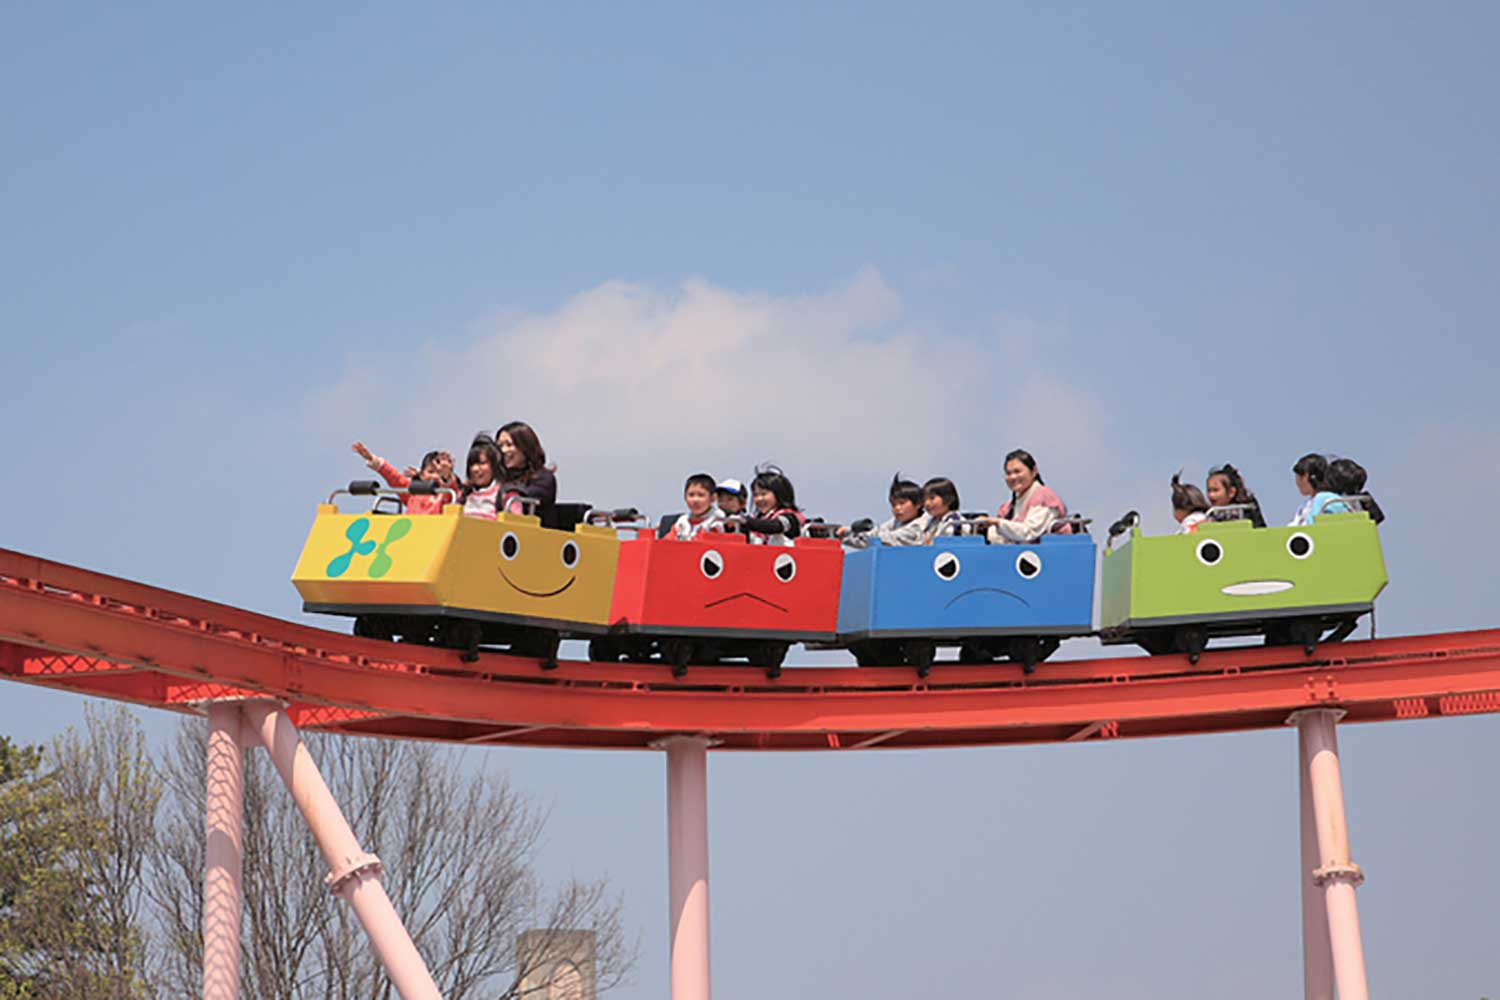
x: 558, y: 965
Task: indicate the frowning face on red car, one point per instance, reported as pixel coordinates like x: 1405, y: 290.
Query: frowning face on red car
x: 719, y: 582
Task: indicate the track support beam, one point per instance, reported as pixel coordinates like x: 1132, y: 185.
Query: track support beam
x: 353, y: 875
x: 223, y: 853
x: 1332, y: 950
x: 687, y: 863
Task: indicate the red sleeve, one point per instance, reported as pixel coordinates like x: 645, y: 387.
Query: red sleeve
x: 394, y: 476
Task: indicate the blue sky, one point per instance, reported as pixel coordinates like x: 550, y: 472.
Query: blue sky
x: 850, y: 239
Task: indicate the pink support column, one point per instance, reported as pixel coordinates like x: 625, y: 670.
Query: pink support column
x: 224, y: 800
x: 354, y: 875
x: 687, y: 864
x: 1317, y: 952
x: 1335, y: 874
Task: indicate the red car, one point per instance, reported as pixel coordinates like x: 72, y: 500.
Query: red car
x: 718, y: 597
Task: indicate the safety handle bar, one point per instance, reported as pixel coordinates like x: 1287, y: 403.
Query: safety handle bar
x: 1128, y: 520
x: 619, y: 515
x: 1230, y: 508
x: 372, y: 488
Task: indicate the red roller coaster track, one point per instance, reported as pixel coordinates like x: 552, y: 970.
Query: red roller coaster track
x: 81, y: 631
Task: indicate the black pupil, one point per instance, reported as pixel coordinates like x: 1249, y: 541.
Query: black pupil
x: 1028, y: 567
x: 1299, y: 546
x: 785, y: 570
x: 947, y: 569
x: 570, y: 553
x: 711, y: 566
x: 509, y: 545
x: 1211, y: 553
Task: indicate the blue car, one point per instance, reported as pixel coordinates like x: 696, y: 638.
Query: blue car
x: 899, y: 603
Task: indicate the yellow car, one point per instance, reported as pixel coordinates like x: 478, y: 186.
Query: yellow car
x: 459, y: 581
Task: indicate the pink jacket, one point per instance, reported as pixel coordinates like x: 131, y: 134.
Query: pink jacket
x: 1020, y: 526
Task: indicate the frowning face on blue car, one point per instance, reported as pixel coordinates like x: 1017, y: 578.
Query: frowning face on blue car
x: 963, y: 587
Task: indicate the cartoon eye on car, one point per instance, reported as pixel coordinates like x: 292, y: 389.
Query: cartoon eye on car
x: 717, y: 597
x: 900, y: 604
x: 1295, y: 585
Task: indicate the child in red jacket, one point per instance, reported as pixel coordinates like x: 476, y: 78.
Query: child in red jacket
x: 434, y: 466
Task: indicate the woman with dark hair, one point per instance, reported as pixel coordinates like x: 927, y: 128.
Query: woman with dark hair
x: 1032, y: 508
x: 524, y: 471
x: 1226, y: 487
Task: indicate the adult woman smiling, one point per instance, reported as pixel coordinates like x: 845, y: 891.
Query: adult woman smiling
x: 524, y: 471
x: 1032, y: 508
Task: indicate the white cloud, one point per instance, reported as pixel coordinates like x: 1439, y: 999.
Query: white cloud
x: 632, y: 388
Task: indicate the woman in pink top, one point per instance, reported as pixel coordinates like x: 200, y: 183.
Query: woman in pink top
x: 1032, y: 508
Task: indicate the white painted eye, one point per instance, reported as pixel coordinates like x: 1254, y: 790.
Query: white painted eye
x: 946, y: 566
x: 1210, y: 552
x: 711, y: 563
x: 1300, y: 545
x: 1029, y: 565
x: 570, y: 553
x: 510, y: 545
x: 785, y: 567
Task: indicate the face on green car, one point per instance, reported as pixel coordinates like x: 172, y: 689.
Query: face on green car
x: 1232, y: 569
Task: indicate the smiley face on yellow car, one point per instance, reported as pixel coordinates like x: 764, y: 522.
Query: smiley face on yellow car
x: 539, y: 571
x: 545, y: 573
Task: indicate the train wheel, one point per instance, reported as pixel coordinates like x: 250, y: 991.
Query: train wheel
x: 604, y: 650
x: 973, y: 652
x: 1304, y: 632
x: 769, y: 655
x: 1031, y: 650
x: 1343, y: 631
x: 919, y: 653
x: 1157, y: 642
x: 463, y: 635
x: 679, y: 653
x: 1192, y: 640
x: 373, y: 627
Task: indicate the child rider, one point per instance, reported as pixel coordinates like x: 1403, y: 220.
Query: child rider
x: 431, y: 470
x: 698, y: 494
x: 908, y: 523
x: 731, y: 495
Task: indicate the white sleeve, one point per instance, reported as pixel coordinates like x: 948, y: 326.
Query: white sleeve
x: 681, y: 529
x: 910, y: 533
x: 1036, y: 523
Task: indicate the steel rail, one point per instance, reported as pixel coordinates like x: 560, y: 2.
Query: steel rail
x: 70, y: 628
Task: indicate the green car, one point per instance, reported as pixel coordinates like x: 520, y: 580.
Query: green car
x: 1299, y: 585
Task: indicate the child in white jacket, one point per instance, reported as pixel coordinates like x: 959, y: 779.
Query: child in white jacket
x: 908, y: 523
x: 702, y: 515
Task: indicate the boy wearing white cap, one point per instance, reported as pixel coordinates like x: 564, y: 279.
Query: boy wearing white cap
x: 731, y: 496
